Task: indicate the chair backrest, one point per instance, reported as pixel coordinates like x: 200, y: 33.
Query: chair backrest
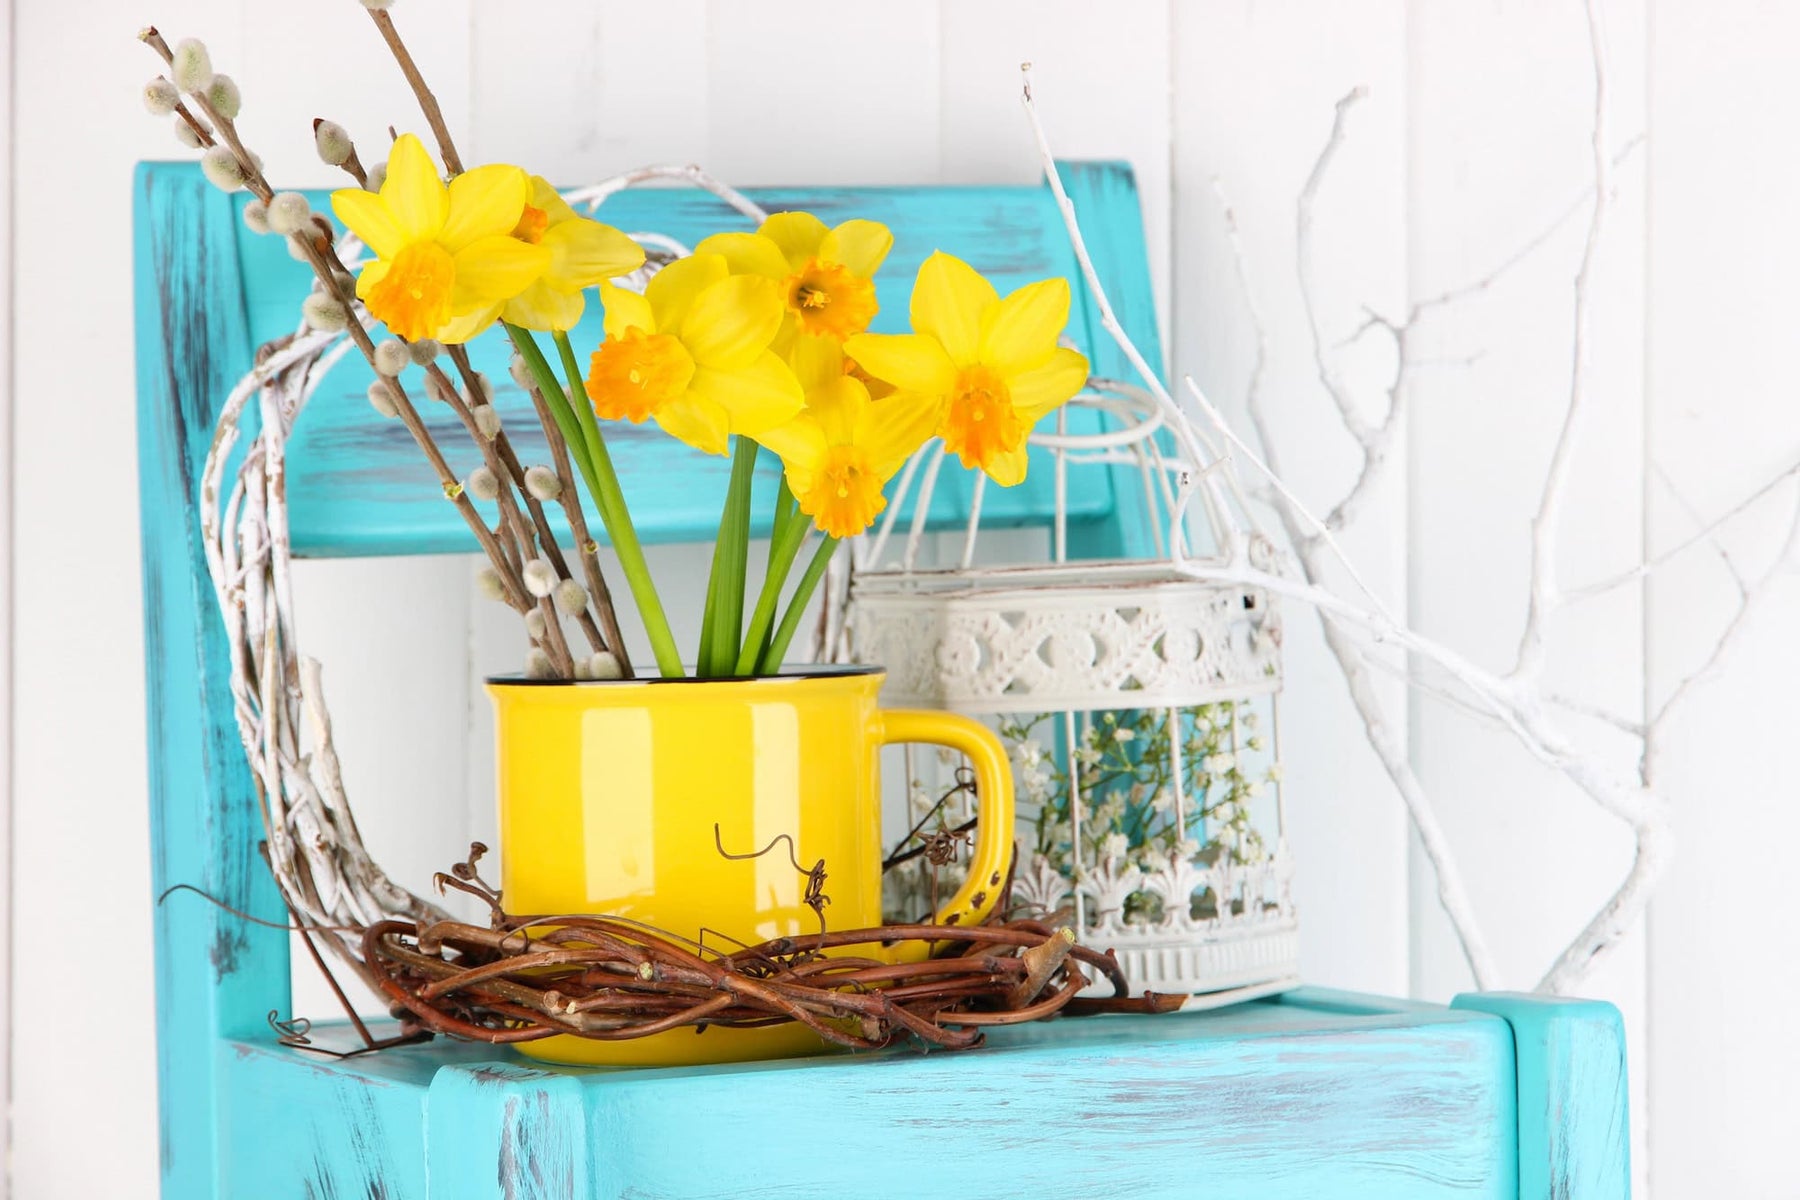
x: 209, y: 292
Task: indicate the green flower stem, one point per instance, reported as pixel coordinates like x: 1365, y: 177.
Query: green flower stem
x: 589, y: 451
x: 790, y: 621
x: 790, y: 534
x: 723, y: 622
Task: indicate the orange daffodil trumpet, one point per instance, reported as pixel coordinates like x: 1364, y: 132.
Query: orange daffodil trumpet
x: 843, y: 448
x: 692, y: 354
x: 826, y: 275
x: 992, y: 365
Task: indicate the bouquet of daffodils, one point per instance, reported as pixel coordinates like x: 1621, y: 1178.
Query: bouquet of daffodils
x: 756, y: 342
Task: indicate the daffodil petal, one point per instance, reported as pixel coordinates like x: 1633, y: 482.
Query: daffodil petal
x: 860, y: 245
x: 816, y: 360
x: 1019, y: 333
x: 625, y: 310
x: 368, y: 218
x: 897, y: 426
x: 800, y: 444
x: 583, y: 252
x: 757, y: 398
x: 499, y: 268
x: 948, y: 300
x: 469, y: 324
x: 544, y: 307
x: 697, y: 420
x: 729, y: 324
x: 547, y: 198
x: 1044, y: 388
x: 372, y: 274
x: 485, y: 202
x: 839, y: 407
x: 1007, y: 467
x: 674, y: 287
x: 912, y: 362
x: 797, y: 234
x: 748, y: 254
x: 415, y: 196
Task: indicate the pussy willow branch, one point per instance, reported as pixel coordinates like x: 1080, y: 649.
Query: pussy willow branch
x: 322, y: 257
x: 434, y: 116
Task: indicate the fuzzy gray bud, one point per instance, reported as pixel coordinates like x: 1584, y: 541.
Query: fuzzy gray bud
x: 324, y: 312
x: 605, y: 665
x: 482, y: 485
x: 161, y: 97
x: 222, y: 169
x: 224, y: 96
x: 381, y: 399
x: 535, y: 625
x: 483, y: 391
x: 256, y: 216
x: 537, y: 663
x: 377, y: 175
x: 487, y: 421
x: 289, y: 213
x: 542, y: 483
x: 437, y: 389
x: 391, y: 357
x: 540, y: 577
x: 297, y: 249
x: 191, y: 66
x: 488, y: 583
x: 425, y: 351
x: 333, y: 143
x: 521, y: 374
x: 184, y: 133
x: 571, y: 597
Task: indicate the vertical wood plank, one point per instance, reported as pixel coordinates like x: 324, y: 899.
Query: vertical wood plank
x: 1120, y: 111
x: 823, y: 91
x: 1254, y: 89
x: 1493, y: 165
x: 81, y: 834
x: 7, y: 176
x: 1724, y: 249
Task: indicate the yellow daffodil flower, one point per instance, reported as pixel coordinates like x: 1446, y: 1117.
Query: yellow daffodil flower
x: 843, y: 448
x: 826, y: 275
x: 583, y: 253
x: 992, y: 365
x: 441, y: 253
x: 692, y: 354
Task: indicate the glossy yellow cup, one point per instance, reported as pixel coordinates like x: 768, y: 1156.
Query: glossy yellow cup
x: 609, y: 793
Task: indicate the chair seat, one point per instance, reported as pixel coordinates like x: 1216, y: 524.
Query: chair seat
x: 1314, y: 1094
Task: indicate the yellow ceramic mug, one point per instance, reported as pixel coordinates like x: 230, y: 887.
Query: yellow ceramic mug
x: 609, y: 794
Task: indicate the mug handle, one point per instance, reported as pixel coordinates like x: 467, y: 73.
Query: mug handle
x: 994, y: 793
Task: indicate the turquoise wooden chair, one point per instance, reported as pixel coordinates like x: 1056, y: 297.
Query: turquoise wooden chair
x: 1313, y: 1094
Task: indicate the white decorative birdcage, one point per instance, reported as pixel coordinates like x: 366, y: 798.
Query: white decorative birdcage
x: 1137, y: 701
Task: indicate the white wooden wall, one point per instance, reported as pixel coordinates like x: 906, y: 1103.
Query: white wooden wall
x: 1472, y: 142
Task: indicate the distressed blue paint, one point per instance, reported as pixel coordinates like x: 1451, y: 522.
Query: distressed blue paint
x: 510, y: 1132
x: 1315, y: 1094
x: 216, y: 976
x: 1574, y: 1127
x: 357, y: 484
